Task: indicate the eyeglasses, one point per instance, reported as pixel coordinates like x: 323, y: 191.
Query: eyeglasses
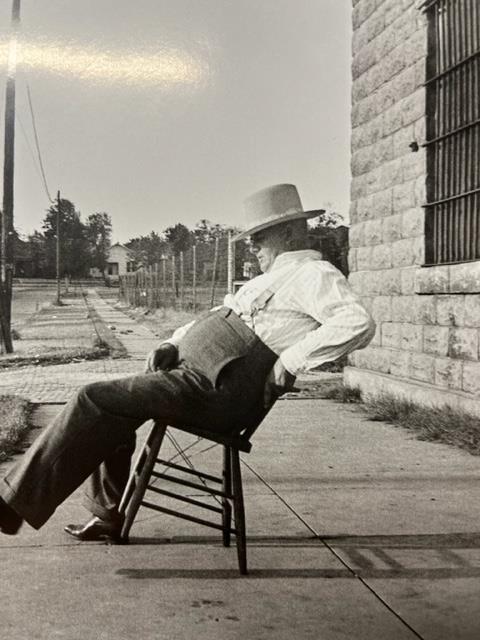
x: 256, y: 240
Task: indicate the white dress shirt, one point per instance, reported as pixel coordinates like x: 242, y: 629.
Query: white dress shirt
x: 313, y: 316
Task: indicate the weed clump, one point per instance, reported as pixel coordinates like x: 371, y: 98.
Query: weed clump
x: 14, y: 424
x: 434, y: 424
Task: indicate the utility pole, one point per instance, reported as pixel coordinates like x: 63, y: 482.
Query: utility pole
x: 7, y: 229
x: 58, y: 248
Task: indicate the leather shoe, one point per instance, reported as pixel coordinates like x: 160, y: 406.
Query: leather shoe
x: 10, y: 521
x: 95, y: 529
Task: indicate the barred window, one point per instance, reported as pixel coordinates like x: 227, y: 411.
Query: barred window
x: 452, y: 224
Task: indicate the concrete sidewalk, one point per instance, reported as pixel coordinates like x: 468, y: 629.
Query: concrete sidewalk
x: 355, y: 530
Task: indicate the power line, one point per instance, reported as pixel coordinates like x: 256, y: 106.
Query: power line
x: 37, y: 144
x: 29, y: 146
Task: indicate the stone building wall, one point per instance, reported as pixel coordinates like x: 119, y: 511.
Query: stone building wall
x: 427, y: 344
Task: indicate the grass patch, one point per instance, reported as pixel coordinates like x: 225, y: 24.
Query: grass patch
x: 55, y: 356
x: 434, y: 424
x: 341, y: 393
x: 15, y: 415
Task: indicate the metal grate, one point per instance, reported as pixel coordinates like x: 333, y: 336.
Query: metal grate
x: 452, y: 225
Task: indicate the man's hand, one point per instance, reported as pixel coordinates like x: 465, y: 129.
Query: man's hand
x: 162, y: 358
x: 279, y: 381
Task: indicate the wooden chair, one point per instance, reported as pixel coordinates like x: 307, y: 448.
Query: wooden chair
x: 227, y: 491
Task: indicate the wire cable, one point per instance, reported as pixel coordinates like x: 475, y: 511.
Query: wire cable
x: 37, y: 144
x: 29, y: 146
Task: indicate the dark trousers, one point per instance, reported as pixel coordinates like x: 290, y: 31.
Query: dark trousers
x: 218, y: 384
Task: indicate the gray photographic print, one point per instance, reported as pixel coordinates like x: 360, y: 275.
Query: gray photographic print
x: 240, y: 319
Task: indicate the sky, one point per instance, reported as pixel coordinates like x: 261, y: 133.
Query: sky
x: 167, y: 111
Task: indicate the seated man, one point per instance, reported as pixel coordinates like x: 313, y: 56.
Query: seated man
x: 222, y: 372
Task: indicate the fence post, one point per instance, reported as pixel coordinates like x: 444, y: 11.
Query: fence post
x: 147, y: 286
x: 174, y: 283
x: 182, y: 281
x: 164, y: 280
x: 230, y: 263
x: 194, y: 278
x: 214, y: 273
x: 156, y: 286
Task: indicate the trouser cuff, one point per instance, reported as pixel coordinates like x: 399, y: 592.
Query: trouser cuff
x: 107, y: 514
x: 9, y: 496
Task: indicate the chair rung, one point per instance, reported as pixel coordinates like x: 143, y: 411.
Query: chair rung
x: 197, y: 503
x: 193, y: 472
x: 192, y: 485
x: 184, y: 516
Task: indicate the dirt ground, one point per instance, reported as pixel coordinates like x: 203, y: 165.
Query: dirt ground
x: 29, y: 299
x: 39, y: 327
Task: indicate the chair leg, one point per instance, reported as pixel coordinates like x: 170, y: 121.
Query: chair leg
x: 137, y: 485
x: 239, y: 512
x: 227, y: 489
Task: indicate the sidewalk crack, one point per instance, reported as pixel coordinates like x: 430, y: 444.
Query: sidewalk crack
x: 326, y: 544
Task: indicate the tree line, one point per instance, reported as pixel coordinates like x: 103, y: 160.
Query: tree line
x: 85, y: 244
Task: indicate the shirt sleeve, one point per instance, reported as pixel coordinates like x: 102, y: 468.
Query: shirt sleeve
x: 345, y: 324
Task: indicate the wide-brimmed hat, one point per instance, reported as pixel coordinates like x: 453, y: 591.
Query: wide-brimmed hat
x: 273, y: 205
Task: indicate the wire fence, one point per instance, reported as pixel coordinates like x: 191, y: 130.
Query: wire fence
x: 194, y: 280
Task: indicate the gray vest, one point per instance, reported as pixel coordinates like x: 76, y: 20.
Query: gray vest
x: 219, y: 338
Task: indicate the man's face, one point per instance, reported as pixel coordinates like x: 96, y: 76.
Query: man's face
x: 266, y: 245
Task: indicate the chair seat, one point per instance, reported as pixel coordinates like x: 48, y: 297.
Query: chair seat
x: 236, y: 440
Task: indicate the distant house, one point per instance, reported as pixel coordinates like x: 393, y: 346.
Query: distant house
x: 415, y: 212
x: 118, y: 262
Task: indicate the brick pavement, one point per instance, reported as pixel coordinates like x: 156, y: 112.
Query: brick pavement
x: 57, y: 383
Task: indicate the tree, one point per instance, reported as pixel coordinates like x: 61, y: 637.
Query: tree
x: 74, y: 250
x: 98, y: 232
x: 38, y: 252
x: 331, y: 238
x: 147, y: 250
x: 179, y: 238
x: 206, y: 231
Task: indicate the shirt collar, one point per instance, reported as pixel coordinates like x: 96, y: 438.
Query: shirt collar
x: 295, y: 257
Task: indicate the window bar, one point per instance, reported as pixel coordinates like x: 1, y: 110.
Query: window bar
x: 445, y: 19
x: 476, y: 24
x: 475, y: 243
x: 449, y: 134
x: 451, y: 198
x: 470, y: 134
x: 457, y: 213
x: 447, y: 71
x: 468, y: 230
x: 438, y: 211
x: 450, y: 92
x: 433, y: 154
x: 444, y: 105
x: 444, y: 239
